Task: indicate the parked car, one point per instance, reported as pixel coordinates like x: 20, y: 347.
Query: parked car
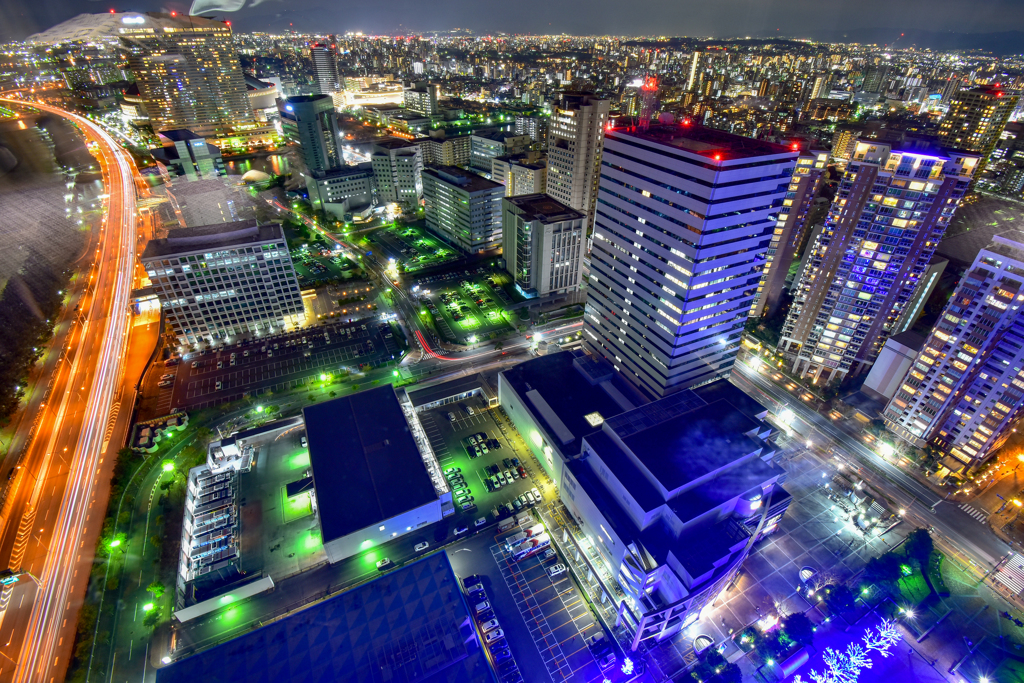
x: 452, y: 469
x: 481, y: 607
x: 383, y: 564
x: 501, y: 656
x: 421, y: 546
x: 451, y: 417
x: 489, y: 625
x: 465, y: 499
x: 461, y: 530
x: 467, y: 507
x: 480, y: 522
x: 556, y: 570
x: 536, y: 494
x: 303, y: 441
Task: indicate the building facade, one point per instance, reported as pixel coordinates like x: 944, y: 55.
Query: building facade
x: 188, y: 74
x: 575, y: 141
x: 463, y: 208
x: 398, y: 172
x: 343, y: 191
x: 790, y: 231
x: 892, y: 209
x: 310, y: 120
x: 543, y: 244
x: 964, y: 393
x: 684, y: 217
x: 220, y: 282
x: 976, y: 119
x: 186, y: 155
x: 325, y: 69
x: 422, y: 98
x: 520, y: 173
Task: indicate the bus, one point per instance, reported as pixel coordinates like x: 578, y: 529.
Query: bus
x: 512, y: 542
x: 531, y: 547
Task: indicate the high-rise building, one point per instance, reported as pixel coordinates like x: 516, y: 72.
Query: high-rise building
x: 484, y: 147
x: 976, y: 119
x: 534, y: 126
x: 325, y: 69
x: 520, y: 173
x: 790, y: 230
x: 684, y: 217
x: 311, y: 121
x: 892, y: 209
x: 422, y: 98
x: 965, y: 390
x: 188, y: 73
x: 575, y: 141
x: 462, y: 208
x: 398, y: 170
x: 218, y: 282
x: 543, y: 244
x: 874, y: 78
x: 691, y: 82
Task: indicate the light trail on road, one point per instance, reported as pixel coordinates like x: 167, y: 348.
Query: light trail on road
x: 97, y: 368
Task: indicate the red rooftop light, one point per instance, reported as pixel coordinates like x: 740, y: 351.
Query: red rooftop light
x: 796, y: 147
x: 718, y: 157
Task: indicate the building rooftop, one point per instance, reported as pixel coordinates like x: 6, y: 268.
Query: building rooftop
x: 707, y: 142
x: 466, y: 180
x: 543, y: 208
x: 306, y: 99
x: 179, y: 135
x: 89, y: 27
x: 366, y: 465
x: 409, y: 625
x: 393, y: 143
x: 219, y: 236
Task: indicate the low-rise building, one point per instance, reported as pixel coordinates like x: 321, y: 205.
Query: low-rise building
x: 186, y: 155
x: 343, y: 192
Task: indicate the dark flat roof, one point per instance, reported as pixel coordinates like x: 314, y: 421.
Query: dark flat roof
x: 544, y: 208
x: 461, y: 178
x: 643, y: 491
x: 694, y: 444
x: 707, y: 142
x: 409, y: 625
x: 565, y: 390
x: 366, y: 466
x: 446, y: 390
x: 219, y: 236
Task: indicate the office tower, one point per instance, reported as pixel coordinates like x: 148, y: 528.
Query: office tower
x: 218, y: 282
x: 325, y: 69
x: 543, y: 244
x: 310, y: 120
x: 422, y: 98
x: 185, y: 154
x: 691, y: 82
x: 953, y: 86
x: 484, y: 147
x: 575, y: 141
x: 343, y: 192
x: 964, y: 393
x: 534, y: 126
x: 398, y: 170
x: 520, y: 173
x: 684, y: 217
x: 976, y: 119
x: 874, y: 78
x: 463, y: 208
x: 790, y: 230
x: 821, y: 86
x: 188, y: 74
x: 892, y: 209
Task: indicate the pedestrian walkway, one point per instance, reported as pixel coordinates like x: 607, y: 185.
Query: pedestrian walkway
x: 1011, y: 574
x: 979, y: 515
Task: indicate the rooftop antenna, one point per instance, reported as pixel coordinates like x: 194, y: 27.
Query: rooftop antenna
x: 647, y: 95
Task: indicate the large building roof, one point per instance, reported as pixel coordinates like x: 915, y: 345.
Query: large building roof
x: 366, y: 465
x: 409, y: 625
x: 105, y: 26
x: 708, y: 142
x: 219, y: 236
x: 544, y: 208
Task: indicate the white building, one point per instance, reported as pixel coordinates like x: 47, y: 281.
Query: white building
x: 683, y: 219
x: 575, y: 140
x: 520, y: 173
x: 325, y: 69
x: 219, y: 282
x: 463, y: 208
x: 398, y: 171
x: 543, y: 244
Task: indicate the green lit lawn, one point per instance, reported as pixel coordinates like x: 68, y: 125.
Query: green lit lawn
x: 913, y: 588
x: 297, y: 507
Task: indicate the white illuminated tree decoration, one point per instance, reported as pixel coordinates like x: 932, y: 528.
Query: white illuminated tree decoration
x: 845, y: 667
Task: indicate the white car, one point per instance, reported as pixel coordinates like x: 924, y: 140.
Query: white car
x: 556, y: 570
x: 451, y: 417
x: 494, y: 636
x: 481, y: 607
x: 489, y: 625
x: 420, y: 547
x: 303, y: 442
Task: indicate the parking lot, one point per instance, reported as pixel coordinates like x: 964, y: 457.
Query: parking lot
x: 318, y: 262
x: 546, y: 624
x: 450, y: 441
x: 413, y: 247
x: 468, y: 309
x: 210, y: 378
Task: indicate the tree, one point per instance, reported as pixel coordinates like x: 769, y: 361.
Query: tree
x: 798, y: 628
x: 919, y: 546
x: 839, y: 598
x: 152, y: 618
x: 884, y: 569
x: 157, y: 589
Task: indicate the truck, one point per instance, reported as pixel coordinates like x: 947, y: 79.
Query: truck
x: 512, y: 542
x: 530, y: 547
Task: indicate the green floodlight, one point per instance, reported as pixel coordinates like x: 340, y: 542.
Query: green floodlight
x: 323, y: 378
x: 395, y: 373
x: 147, y: 607
x: 116, y: 542
x: 168, y: 466
x: 259, y: 409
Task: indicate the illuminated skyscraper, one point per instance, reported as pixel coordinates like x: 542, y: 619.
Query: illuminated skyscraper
x: 975, y: 120
x: 310, y: 120
x: 966, y: 388
x: 325, y: 69
x: 892, y: 209
x: 575, y: 141
x: 188, y: 73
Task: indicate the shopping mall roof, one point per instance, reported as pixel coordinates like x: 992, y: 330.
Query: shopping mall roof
x: 366, y: 465
x: 411, y: 624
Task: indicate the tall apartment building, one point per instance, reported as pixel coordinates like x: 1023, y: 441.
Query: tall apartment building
x: 964, y: 393
x: 534, y: 126
x: 543, y: 243
x: 443, y: 150
x: 325, y: 69
x: 484, y: 147
x: 892, y: 209
x: 188, y: 73
x: 219, y: 282
x: 976, y: 119
x: 575, y: 141
x: 520, y: 173
x: 422, y: 98
x: 310, y: 120
x: 684, y: 216
x: 790, y: 230
x: 462, y: 208
x: 398, y: 170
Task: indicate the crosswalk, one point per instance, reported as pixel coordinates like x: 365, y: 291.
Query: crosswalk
x: 979, y: 515
x: 1011, y: 574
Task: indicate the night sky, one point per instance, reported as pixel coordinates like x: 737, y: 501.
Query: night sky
x: 815, y: 19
